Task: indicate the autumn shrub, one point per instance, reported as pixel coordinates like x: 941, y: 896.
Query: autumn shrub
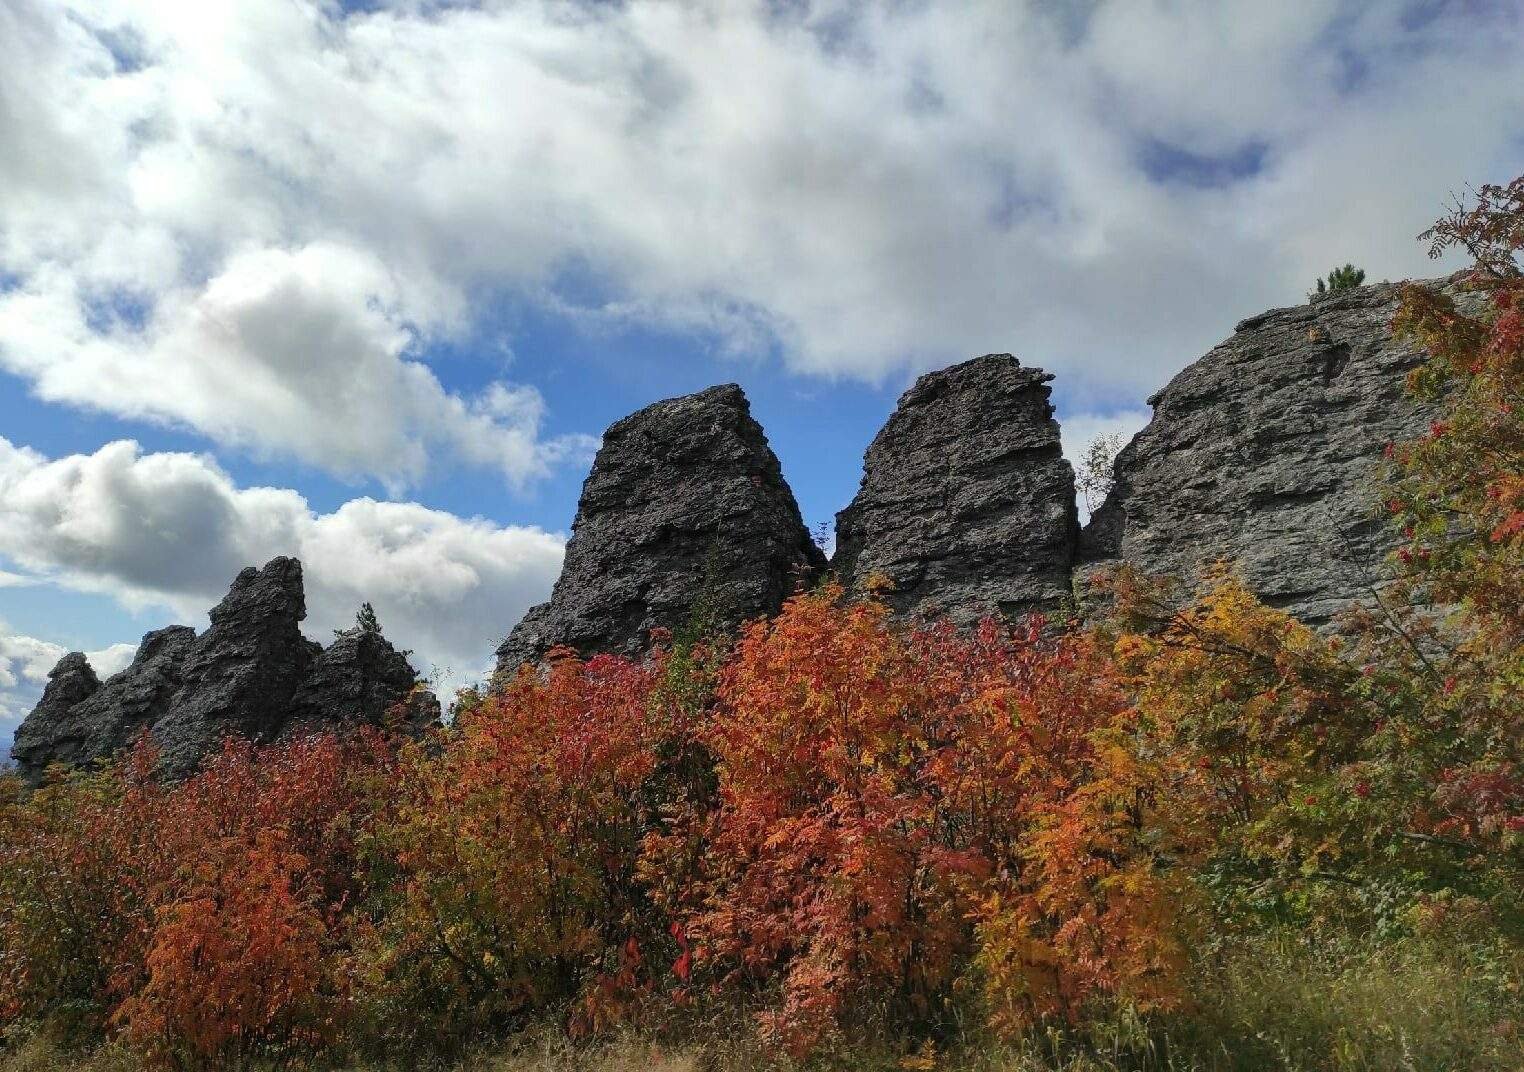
x: 902, y: 816
x: 79, y: 866
x: 247, y: 949
x: 515, y: 850
x: 1194, y: 834
x: 203, y: 921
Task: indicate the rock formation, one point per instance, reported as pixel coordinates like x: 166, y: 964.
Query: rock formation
x: 252, y: 674
x: 967, y: 504
x: 685, y: 512
x: 49, y: 733
x: 360, y: 678
x: 240, y: 676
x: 1264, y: 454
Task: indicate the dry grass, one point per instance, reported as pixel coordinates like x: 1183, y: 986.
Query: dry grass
x: 1276, y: 1005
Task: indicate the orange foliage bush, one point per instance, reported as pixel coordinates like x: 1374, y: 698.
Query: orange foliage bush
x: 199, y: 918
x: 515, y: 852
x: 894, y: 809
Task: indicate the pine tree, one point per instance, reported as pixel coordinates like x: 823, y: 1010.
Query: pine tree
x: 1347, y: 278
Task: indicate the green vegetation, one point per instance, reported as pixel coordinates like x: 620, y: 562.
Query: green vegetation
x: 1347, y: 278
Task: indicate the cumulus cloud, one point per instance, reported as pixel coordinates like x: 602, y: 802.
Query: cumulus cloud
x: 172, y: 530
x: 253, y: 220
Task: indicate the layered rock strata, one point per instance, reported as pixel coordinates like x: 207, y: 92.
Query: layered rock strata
x: 1265, y: 455
x: 684, y: 518
x: 967, y: 504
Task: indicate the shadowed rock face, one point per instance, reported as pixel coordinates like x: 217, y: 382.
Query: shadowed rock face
x: 685, y: 505
x: 109, y: 719
x: 966, y: 504
x: 251, y: 674
x: 1265, y: 453
x: 50, y: 734
x: 240, y: 675
x: 359, y: 679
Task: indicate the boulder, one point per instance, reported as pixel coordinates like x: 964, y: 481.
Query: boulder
x: 684, y: 516
x: 967, y: 505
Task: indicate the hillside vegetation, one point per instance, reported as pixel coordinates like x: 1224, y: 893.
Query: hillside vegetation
x: 1193, y: 834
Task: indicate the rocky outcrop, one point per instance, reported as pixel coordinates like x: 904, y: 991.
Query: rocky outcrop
x: 241, y: 674
x: 967, y: 504
x: 685, y: 513
x: 98, y: 725
x: 251, y: 674
x: 50, y: 734
x: 361, y: 679
x: 1264, y: 453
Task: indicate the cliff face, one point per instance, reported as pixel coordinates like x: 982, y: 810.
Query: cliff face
x: 967, y: 504
x: 1265, y: 453
x: 685, y: 511
x: 251, y: 674
x: 51, y: 733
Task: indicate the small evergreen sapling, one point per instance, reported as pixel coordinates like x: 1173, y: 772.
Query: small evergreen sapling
x: 1347, y: 278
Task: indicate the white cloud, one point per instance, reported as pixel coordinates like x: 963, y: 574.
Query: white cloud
x: 252, y: 219
x: 172, y: 530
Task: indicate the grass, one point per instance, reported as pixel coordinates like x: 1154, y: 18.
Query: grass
x: 1278, y: 1003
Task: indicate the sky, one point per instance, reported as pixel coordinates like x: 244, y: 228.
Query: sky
x: 365, y: 282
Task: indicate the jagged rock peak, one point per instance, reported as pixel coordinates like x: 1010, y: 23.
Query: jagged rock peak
x: 685, y: 510
x: 46, y: 736
x: 967, y: 504
x: 239, y: 676
x: 251, y: 674
x: 110, y: 717
x: 1264, y: 454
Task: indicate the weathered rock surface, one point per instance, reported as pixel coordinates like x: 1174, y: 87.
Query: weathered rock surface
x: 685, y: 505
x: 1264, y: 454
x: 108, y: 719
x: 359, y: 679
x: 966, y: 504
x: 251, y: 674
x: 50, y: 734
x: 241, y: 674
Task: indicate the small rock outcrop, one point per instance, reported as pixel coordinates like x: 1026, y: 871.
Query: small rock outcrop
x: 967, y: 504
x: 1264, y: 454
x: 110, y: 717
x: 50, y: 733
x: 359, y: 679
x: 685, y: 511
x: 251, y: 674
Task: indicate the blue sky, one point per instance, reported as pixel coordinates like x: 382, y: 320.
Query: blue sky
x: 364, y: 283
